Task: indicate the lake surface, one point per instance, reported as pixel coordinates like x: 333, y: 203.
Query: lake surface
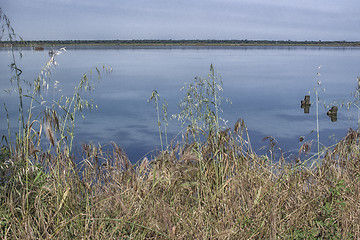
x: 265, y: 85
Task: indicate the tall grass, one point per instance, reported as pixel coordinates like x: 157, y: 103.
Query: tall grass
x: 200, y: 107
x: 208, y: 187
x: 183, y: 194
x: 217, y: 188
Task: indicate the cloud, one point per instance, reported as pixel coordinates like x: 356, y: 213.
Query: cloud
x: 185, y: 19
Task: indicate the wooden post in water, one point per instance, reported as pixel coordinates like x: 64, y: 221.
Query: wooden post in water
x: 305, y: 104
x: 332, y: 113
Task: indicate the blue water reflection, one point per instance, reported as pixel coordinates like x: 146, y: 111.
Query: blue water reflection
x: 265, y: 85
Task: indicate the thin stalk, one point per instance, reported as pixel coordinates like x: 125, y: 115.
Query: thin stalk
x: 159, y: 125
x: 317, y: 119
x: 68, y: 114
x: 217, y: 126
x: 155, y: 96
x: 165, y: 105
x: 318, y: 82
x: 358, y: 118
x: 8, y: 125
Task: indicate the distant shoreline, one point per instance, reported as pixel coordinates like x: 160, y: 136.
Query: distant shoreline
x: 38, y: 44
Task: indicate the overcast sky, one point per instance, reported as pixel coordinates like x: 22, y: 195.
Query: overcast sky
x: 185, y: 19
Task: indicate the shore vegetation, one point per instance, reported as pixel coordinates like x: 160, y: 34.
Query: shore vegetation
x: 39, y: 45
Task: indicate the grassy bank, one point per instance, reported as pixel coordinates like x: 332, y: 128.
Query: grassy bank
x: 218, y: 189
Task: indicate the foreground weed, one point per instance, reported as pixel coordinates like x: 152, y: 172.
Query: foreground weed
x: 74, y: 104
x: 155, y: 97
x: 200, y: 107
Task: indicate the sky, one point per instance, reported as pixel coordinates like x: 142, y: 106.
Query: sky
x: 185, y: 19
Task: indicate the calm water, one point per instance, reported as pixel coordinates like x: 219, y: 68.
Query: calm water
x: 265, y: 85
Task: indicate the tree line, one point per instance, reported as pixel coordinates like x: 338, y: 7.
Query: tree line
x: 176, y: 42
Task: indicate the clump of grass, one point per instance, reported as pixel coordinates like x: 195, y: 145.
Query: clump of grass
x: 200, y: 108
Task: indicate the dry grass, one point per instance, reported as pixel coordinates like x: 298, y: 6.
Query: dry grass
x: 216, y: 190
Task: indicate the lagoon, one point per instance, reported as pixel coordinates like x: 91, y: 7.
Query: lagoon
x: 265, y: 85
